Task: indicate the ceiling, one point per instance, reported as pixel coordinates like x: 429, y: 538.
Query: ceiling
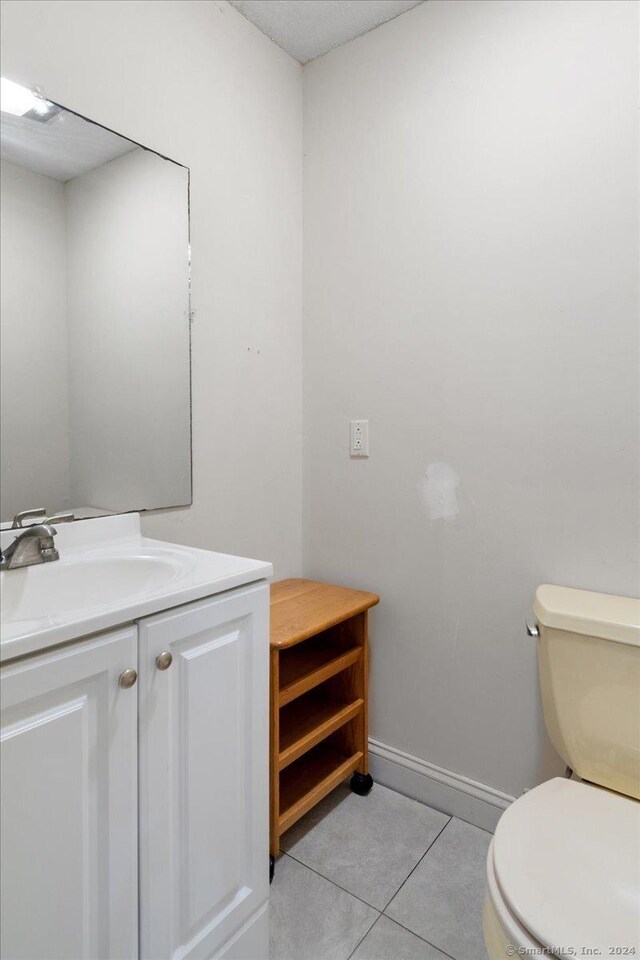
x: 63, y: 148
x: 308, y: 28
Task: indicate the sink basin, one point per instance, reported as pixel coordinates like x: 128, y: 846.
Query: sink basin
x: 108, y: 574
x: 47, y: 590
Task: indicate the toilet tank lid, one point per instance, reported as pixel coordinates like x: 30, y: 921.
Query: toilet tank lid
x: 592, y: 614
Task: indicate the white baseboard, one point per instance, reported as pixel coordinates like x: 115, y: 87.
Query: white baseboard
x: 449, y: 792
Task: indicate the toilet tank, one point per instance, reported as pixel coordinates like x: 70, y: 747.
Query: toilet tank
x: 589, y: 664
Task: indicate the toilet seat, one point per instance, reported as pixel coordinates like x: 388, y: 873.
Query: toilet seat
x: 564, y: 870
x: 501, y: 928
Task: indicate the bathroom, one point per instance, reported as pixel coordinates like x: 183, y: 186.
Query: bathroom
x: 404, y: 359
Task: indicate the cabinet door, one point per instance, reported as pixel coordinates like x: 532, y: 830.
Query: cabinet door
x: 69, y: 802
x: 203, y: 773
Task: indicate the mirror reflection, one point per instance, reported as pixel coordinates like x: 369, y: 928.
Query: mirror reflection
x: 95, y: 317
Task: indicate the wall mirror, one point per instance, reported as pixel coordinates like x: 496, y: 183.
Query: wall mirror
x: 95, y: 317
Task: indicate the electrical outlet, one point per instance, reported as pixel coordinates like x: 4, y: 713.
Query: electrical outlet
x: 359, y: 438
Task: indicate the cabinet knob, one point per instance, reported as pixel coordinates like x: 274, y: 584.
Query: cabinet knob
x: 127, y: 678
x: 164, y: 660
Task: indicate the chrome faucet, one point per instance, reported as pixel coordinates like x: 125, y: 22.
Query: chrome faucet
x: 34, y: 545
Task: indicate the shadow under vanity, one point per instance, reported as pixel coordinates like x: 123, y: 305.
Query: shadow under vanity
x: 134, y: 673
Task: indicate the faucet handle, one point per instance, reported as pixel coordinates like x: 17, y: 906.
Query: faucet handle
x: 60, y: 518
x: 18, y: 520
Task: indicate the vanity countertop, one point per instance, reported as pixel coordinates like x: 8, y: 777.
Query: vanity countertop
x: 108, y: 574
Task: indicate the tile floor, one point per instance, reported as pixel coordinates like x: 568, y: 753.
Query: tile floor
x: 380, y: 877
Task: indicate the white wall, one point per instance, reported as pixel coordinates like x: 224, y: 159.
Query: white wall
x: 197, y: 82
x: 128, y: 319
x: 471, y: 286
x: 33, y: 349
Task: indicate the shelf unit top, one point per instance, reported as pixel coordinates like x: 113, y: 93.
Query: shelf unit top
x: 303, y: 608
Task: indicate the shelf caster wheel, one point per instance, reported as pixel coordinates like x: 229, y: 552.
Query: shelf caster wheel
x: 272, y: 867
x: 361, y: 783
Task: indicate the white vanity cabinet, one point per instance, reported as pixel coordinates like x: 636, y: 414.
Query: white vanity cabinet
x: 204, y: 788
x: 68, y: 752
x: 135, y: 818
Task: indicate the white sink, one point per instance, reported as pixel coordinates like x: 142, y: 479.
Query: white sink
x: 47, y: 590
x: 108, y: 573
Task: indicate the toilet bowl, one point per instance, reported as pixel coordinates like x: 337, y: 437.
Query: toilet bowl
x: 563, y: 874
x: 563, y: 868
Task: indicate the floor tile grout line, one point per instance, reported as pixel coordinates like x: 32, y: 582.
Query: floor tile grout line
x: 329, y: 880
x: 381, y: 913
x: 419, y: 936
x: 366, y: 934
x: 437, y: 836
x: 285, y: 853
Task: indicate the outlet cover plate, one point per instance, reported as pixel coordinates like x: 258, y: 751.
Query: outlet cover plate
x: 359, y: 438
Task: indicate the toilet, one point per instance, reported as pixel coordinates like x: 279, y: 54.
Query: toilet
x: 563, y: 868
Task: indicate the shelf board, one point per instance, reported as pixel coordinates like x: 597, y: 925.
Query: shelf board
x: 303, y: 667
x: 311, y: 778
x: 309, y: 720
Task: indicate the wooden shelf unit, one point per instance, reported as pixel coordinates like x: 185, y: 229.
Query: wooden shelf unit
x: 319, y: 695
